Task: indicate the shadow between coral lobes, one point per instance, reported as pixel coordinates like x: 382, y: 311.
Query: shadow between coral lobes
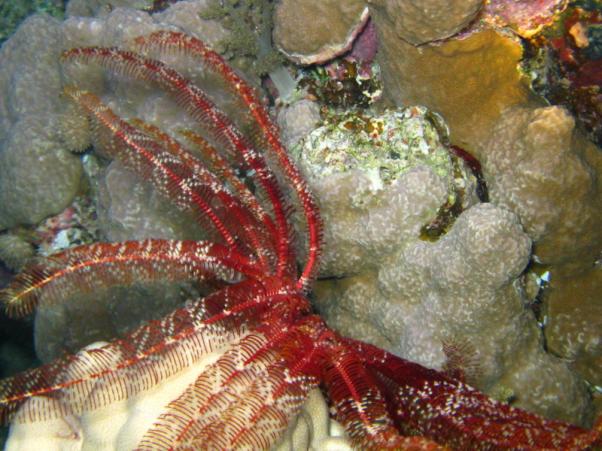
x: 17, y: 351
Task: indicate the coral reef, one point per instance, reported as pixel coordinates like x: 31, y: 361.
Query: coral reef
x: 538, y: 166
x: 360, y: 167
x: 41, y: 128
x: 92, y: 8
x: 556, y: 192
x: 397, y: 291
x: 461, y: 289
x: 523, y: 17
x: 556, y: 165
x: 388, y: 280
x: 249, y: 39
x: 564, y: 64
x: 574, y: 321
x: 469, y: 82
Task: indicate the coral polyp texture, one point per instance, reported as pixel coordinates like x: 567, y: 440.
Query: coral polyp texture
x: 382, y: 274
x: 246, y: 363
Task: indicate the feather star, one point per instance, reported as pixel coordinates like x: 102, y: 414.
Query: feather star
x: 258, y: 347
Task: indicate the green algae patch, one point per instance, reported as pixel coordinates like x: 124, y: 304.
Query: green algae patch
x: 386, y: 145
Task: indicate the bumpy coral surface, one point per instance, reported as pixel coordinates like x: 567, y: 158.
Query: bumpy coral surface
x: 405, y: 294
x: 368, y: 167
x: 556, y: 193
x: 541, y: 169
x: 311, y: 31
x: 420, y: 21
x: 317, y: 31
x: 420, y: 298
x: 14, y: 251
x: 38, y: 175
x: 469, y: 82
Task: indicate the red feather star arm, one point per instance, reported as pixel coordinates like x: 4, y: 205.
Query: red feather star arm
x: 141, y: 359
x: 220, y: 166
x: 193, y: 100
x: 252, y: 224
x: 233, y: 404
x: 89, y: 267
x: 119, y: 370
x: 449, y: 411
x: 168, y: 40
x: 261, y: 347
x: 173, y: 170
x: 358, y: 403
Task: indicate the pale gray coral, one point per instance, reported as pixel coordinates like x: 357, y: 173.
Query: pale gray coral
x: 379, y: 179
x: 297, y: 120
x: 129, y: 210
x: 15, y: 251
x: 38, y: 175
x: 460, y: 289
x: 315, y: 31
x: 38, y: 141
x: 544, y: 172
x: 386, y: 285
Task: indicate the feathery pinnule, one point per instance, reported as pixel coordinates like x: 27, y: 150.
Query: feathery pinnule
x: 169, y: 41
x: 220, y: 167
x: 434, y: 405
x: 196, y: 102
x: 91, y: 267
x: 147, y: 158
x: 121, y: 369
x: 252, y: 224
x: 232, y: 403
